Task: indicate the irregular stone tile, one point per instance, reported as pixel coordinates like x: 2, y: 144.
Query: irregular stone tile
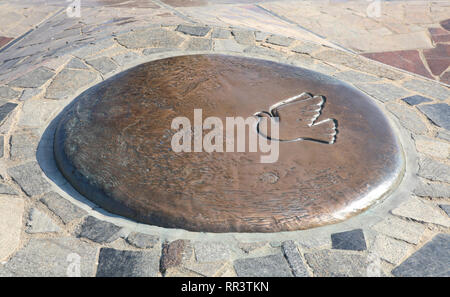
x: 326, y: 263
x: 416, y: 99
x: 390, y: 249
x: 151, y: 51
x: 35, y: 113
x: 93, y: 48
x: 220, y: 33
x: 248, y: 247
x: 306, y: 48
x: 8, y: 93
x: 30, y: 93
x: 118, y: 263
x: 356, y: 77
x: 280, y: 40
x: 419, y: 211
x: 30, y: 178
x: 261, y: 36
x: 175, y: 253
x: 142, y: 241
x: 211, y: 251
x: 268, y: 266
x: 2, y: 146
x: 445, y: 77
x: 432, y: 147
x: 68, y: 82
x: 205, y: 269
x: 7, y: 190
x: 11, y: 212
x: 244, y: 37
x: 439, y: 35
x: 6, y: 109
x: 99, y: 231
x: 428, y: 88
x: 4, y: 41
x: 400, y: 229
x: 294, y: 258
x: 160, y: 38
x: 433, y: 259
x: 227, y: 45
x: 434, y: 170
x: 126, y: 58
x: 438, y: 58
x: 103, y: 64
x: 53, y: 257
x: 76, y: 63
x: 432, y: 190
x: 382, y: 92
x: 445, y: 24
x: 39, y: 222
x: 408, y: 118
x: 33, y: 79
x: 24, y: 146
x: 438, y: 113
x: 199, y: 31
x: 408, y: 60
x: 357, y: 63
x: 349, y: 240
x: 443, y: 134
x: 64, y: 209
x: 198, y: 44
x: 263, y: 51
x: 445, y: 208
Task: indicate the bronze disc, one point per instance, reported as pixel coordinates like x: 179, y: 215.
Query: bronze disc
x: 113, y: 144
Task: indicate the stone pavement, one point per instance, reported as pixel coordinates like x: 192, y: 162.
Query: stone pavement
x: 47, y: 228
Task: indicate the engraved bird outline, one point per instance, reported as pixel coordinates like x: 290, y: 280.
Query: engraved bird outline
x: 297, y: 117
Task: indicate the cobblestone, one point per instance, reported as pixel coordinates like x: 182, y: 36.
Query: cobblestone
x: 327, y: 263
x: 30, y: 178
x: 64, y: 209
x: 408, y: 118
x: 39, y: 222
x: 68, y: 82
x: 420, y: 211
x: 99, y: 231
x: 294, y: 258
x: 118, y: 263
x: 268, y: 266
x: 433, y: 259
x: 33, y: 79
x: 53, y: 257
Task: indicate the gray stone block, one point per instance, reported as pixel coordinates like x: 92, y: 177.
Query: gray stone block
x: 193, y: 30
x: 118, y: 263
x: 433, y: 259
x: 438, y: 113
x: 349, y: 240
x: 53, y: 257
x: 30, y: 178
x: 142, y: 241
x: 294, y: 258
x: 99, y: 231
x: 268, y: 266
x: 39, y: 222
x: 64, y: 209
x: 33, y: 79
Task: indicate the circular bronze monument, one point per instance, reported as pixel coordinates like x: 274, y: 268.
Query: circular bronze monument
x: 337, y: 153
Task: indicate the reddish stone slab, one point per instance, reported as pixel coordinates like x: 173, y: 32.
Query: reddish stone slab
x: 439, y: 35
x: 408, y: 60
x: 4, y: 41
x: 446, y: 24
x: 445, y: 77
x: 438, y: 58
